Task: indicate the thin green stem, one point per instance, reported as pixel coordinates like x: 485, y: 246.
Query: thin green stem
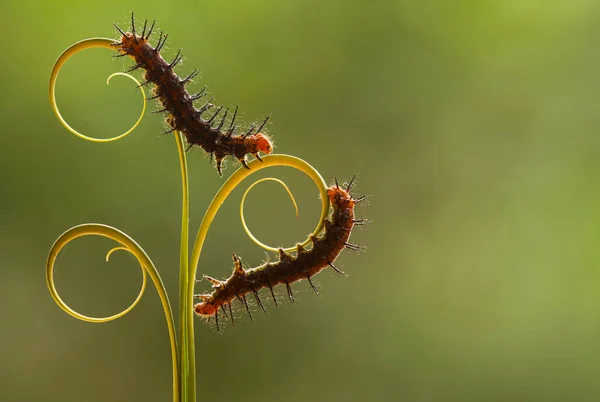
x: 186, y: 325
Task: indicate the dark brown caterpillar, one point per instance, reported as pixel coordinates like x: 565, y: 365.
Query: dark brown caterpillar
x: 206, y: 132
x: 288, y: 269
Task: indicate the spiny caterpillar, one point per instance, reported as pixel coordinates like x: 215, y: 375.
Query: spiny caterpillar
x: 183, y: 116
x: 288, y: 269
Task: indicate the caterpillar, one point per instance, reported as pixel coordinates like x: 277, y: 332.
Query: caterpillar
x: 289, y: 268
x: 206, y: 132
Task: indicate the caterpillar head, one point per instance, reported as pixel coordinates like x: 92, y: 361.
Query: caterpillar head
x: 205, y: 308
x: 263, y: 143
x: 338, y: 195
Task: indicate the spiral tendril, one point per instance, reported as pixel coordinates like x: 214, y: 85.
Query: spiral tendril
x: 235, y: 179
x: 57, y: 247
x: 129, y: 245
x: 247, y: 230
x: 62, y: 59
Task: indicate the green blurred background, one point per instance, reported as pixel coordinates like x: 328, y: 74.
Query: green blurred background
x: 472, y: 124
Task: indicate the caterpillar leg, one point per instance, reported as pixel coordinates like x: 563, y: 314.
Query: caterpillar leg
x: 243, y: 162
x: 218, y: 160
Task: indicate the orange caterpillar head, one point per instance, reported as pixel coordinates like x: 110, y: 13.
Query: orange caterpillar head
x: 263, y: 143
x: 204, y: 307
x: 339, y: 197
x: 335, y: 192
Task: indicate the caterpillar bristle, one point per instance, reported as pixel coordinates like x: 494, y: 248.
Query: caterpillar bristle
x: 289, y: 292
x: 177, y: 59
x: 198, y: 95
x: 132, y: 69
x: 206, y: 106
x: 222, y: 120
x: 209, y: 121
x: 162, y: 39
x: 231, y: 127
x: 272, y: 293
x: 202, y: 296
x: 144, y: 30
x: 150, y: 30
x: 215, y: 282
x: 231, y: 314
x: 119, y: 29
x: 190, y: 77
x: 342, y: 273
x: 250, y: 130
x: 263, y: 123
x: 350, y: 184
x: 312, y: 285
x: 354, y: 247
x: 238, y: 269
x: 360, y: 199
x: 258, y: 301
x: 243, y: 300
x: 133, y: 28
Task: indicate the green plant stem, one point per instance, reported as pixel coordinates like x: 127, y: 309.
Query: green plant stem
x: 186, y: 323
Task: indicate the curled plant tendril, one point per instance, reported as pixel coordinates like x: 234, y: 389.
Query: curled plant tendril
x: 62, y: 59
x: 248, y: 232
x: 50, y: 280
x: 236, y: 178
x: 128, y: 244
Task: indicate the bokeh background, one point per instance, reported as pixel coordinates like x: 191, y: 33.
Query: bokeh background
x: 472, y: 123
